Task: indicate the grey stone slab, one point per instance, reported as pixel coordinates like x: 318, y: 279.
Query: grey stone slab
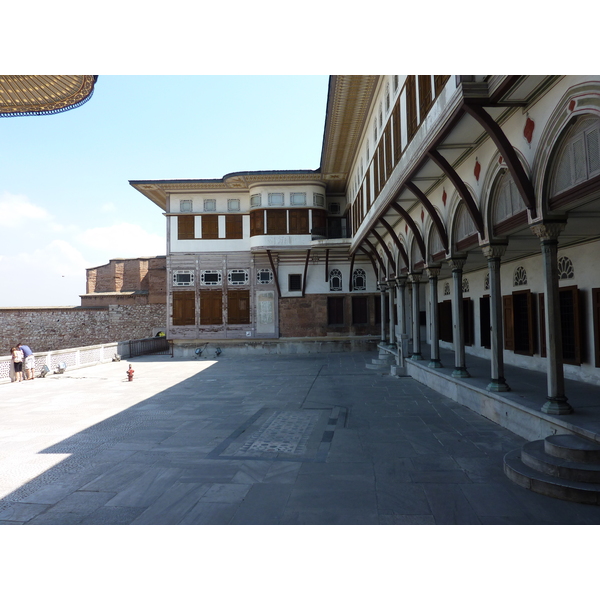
x: 493, y: 499
x: 330, y: 517
x: 112, y: 515
x: 482, y: 469
x: 282, y: 472
x: 393, y: 471
x: 115, y: 478
x: 389, y: 451
x: 263, y: 505
x: 210, y: 513
x: 82, y: 502
x: 173, y: 505
x: 449, y: 505
x: 406, y: 520
x: 22, y: 511
x: 434, y: 462
x: 453, y: 476
x: 146, y: 489
x: 51, y: 494
x: 225, y: 492
x: 403, y: 499
x: 57, y: 518
x: 252, y: 471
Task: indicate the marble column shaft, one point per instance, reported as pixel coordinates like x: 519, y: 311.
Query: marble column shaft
x: 434, y: 360
x: 415, y: 278
x: 460, y: 369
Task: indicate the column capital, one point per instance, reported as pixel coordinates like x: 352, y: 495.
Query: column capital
x: 414, y: 277
x: 494, y: 250
x: 457, y: 263
x: 433, y: 272
x: 549, y: 230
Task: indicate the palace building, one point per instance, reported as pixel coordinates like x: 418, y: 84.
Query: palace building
x: 448, y: 211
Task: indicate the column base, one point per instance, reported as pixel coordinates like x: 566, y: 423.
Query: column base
x: 435, y: 363
x: 498, y: 385
x: 416, y: 356
x: 460, y: 372
x: 557, y: 406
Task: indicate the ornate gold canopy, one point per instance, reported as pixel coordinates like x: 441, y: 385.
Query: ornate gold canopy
x: 22, y: 95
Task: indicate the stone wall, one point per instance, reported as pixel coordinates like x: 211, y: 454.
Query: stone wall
x: 55, y: 328
x: 307, y: 317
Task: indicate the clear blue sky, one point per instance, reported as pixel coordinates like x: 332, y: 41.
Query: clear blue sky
x: 65, y: 200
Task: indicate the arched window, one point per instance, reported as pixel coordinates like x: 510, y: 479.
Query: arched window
x: 579, y: 157
x: 359, y: 280
x: 335, y: 280
x: 565, y: 268
x: 508, y: 201
x: 520, y: 277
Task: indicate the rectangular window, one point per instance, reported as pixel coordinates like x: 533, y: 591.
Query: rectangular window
x: 257, y: 222
x: 276, y: 199
x: 255, y: 200
x: 183, y: 278
x: 210, y: 205
x: 360, y: 310
x: 211, y: 308
x: 184, y: 308
x: 238, y: 307
x: 233, y: 227
x: 185, y: 206
x: 298, y: 221
x: 468, y: 322
x: 185, y: 227
x: 519, y: 322
x: 233, y: 204
x: 319, y: 222
x: 276, y: 222
x: 298, y: 199
x: 210, y: 227
x: 335, y: 310
x: 295, y: 282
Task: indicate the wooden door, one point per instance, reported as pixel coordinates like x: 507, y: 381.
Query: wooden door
x: 211, y: 307
x: 238, y: 307
x: 184, y: 308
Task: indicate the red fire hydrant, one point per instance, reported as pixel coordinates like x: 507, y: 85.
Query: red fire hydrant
x: 130, y: 373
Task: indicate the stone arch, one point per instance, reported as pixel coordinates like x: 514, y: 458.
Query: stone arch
x: 459, y: 213
x: 435, y: 247
x: 578, y: 101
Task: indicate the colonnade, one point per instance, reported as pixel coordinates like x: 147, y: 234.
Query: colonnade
x: 396, y: 290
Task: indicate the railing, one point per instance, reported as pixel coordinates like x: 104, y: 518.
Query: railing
x: 87, y: 356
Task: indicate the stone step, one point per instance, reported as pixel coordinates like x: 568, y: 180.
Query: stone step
x: 386, y: 360
x: 534, y: 456
x: 525, y: 476
x: 382, y: 368
x: 573, y: 448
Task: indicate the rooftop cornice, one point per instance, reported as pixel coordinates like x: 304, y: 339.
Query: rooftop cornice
x: 24, y: 95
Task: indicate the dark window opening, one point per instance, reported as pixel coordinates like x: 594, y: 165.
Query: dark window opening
x: 295, y: 282
x: 335, y: 310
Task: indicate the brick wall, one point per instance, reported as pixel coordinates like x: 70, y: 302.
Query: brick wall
x: 307, y: 317
x: 56, y: 328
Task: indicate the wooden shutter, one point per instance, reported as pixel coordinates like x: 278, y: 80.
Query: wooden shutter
x: 319, y: 222
x: 276, y: 222
x: 185, y: 227
x: 376, y: 165
x: 298, y: 221
x: 233, y: 227
x: 596, y: 313
x: 335, y: 310
x: 381, y: 157
x: 509, y: 326
x: 238, y: 307
x: 368, y: 185
x: 360, y: 310
x: 440, y: 82
x: 425, y: 96
x: 184, y: 308
x: 388, y: 150
x: 411, y: 106
x: 523, y: 322
x: 542, y: 325
x: 485, y: 322
x: 445, y: 321
x: 211, y: 307
x: 210, y: 227
x: 397, y: 132
x: 570, y: 309
x: 468, y: 322
x: 257, y: 222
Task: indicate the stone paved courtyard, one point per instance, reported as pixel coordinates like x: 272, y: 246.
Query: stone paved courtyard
x: 302, y: 439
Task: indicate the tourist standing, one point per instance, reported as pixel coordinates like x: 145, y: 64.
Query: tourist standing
x: 17, y: 358
x: 29, y: 361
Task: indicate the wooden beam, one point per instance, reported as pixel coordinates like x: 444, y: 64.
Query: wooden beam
x: 508, y: 153
x: 305, y: 271
x: 379, y: 259
x: 413, y: 227
x: 397, y: 242
x: 351, y: 271
x: 435, y: 217
x: 461, y: 188
x: 275, y: 276
x: 385, y: 249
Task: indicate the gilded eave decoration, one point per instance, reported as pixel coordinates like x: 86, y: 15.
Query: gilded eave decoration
x: 23, y: 95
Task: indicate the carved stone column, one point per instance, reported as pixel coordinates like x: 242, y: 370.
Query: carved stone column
x: 557, y: 403
x: 434, y: 360
x: 391, y: 292
x: 460, y: 369
x: 382, y: 290
x: 401, y: 304
x: 494, y: 254
x: 415, y: 278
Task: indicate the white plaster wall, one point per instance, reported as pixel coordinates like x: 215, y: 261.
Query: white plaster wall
x: 220, y: 197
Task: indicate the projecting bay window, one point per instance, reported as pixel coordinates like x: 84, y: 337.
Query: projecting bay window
x: 276, y: 222
x: 298, y: 221
x: 184, y: 308
x: 257, y: 222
